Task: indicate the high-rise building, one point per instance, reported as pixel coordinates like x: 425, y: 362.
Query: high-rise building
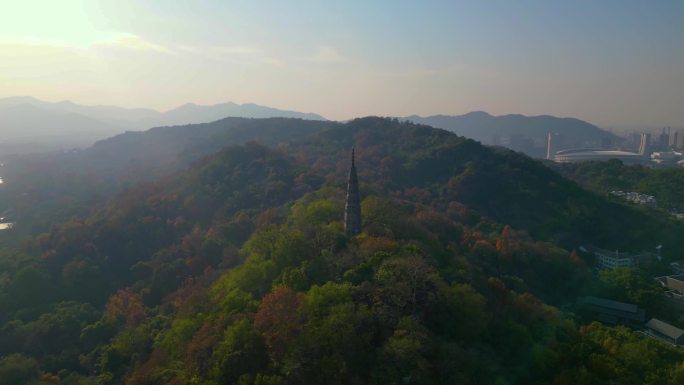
x: 664, y: 140
x: 673, y: 139
x: 352, y: 208
x: 645, y: 144
x: 680, y: 141
x: 633, y: 141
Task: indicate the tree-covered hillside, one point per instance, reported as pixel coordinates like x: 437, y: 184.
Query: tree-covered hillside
x: 237, y: 270
x: 666, y: 184
x: 42, y: 188
x: 437, y: 168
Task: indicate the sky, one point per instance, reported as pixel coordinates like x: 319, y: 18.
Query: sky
x: 611, y: 62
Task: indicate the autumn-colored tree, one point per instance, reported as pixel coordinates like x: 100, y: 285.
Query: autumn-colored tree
x: 279, y: 319
x: 125, y: 307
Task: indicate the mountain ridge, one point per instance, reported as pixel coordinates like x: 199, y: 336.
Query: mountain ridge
x: 49, y: 126
x: 521, y: 132
x: 138, y: 117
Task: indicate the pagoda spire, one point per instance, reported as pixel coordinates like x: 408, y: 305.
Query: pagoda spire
x: 352, y: 208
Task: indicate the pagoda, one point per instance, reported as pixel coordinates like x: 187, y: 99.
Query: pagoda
x: 352, y: 208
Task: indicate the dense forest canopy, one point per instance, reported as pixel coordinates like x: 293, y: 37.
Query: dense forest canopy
x: 228, y: 264
x: 665, y: 184
x: 52, y: 187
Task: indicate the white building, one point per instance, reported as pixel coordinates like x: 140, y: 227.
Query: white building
x: 613, y: 261
x: 609, y: 260
x: 642, y: 199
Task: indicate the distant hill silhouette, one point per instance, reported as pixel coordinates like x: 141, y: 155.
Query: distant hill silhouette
x: 521, y: 133
x: 31, y: 125
x: 27, y: 127
x: 191, y: 113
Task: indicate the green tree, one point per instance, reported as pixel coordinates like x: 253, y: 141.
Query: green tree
x: 17, y: 369
x: 634, y: 286
x: 241, y: 352
x: 405, y: 356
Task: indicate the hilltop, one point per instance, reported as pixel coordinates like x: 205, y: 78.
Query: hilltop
x: 401, y: 157
x: 71, y: 182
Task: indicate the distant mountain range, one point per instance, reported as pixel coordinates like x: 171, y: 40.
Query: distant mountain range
x: 522, y: 133
x: 27, y: 127
x: 194, y: 114
x: 31, y: 125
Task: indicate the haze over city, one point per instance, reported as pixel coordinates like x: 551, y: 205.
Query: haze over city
x: 613, y: 63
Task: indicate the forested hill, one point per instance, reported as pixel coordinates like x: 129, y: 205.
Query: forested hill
x: 237, y: 270
x: 437, y: 168
x: 161, y: 150
x: 522, y: 133
x: 400, y: 158
x: 41, y: 188
x: 665, y: 184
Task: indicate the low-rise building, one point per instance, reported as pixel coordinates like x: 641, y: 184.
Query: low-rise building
x: 665, y: 332
x: 674, y: 284
x: 609, y: 260
x: 612, y: 312
x: 666, y: 157
x: 613, y: 261
x: 638, y: 198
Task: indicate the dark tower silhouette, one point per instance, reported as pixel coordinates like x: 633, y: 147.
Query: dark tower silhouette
x: 352, y: 209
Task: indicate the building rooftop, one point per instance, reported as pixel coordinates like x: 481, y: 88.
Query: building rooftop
x: 594, y: 151
x: 673, y: 282
x: 614, y: 312
x: 610, y: 304
x: 613, y: 253
x: 584, y: 154
x: 665, y: 328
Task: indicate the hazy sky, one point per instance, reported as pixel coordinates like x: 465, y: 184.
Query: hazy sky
x: 616, y: 62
